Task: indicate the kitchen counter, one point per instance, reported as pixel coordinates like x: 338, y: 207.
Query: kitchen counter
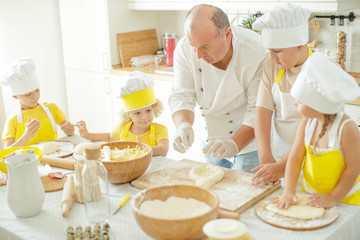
x: 49, y: 224
x: 123, y: 71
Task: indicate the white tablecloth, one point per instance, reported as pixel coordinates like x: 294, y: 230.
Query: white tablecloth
x: 49, y: 224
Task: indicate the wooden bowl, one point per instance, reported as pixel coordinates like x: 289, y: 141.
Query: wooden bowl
x: 189, y: 228
x: 126, y: 171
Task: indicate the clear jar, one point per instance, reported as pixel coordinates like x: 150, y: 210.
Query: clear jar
x: 95, y: 186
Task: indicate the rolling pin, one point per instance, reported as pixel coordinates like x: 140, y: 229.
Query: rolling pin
x: 67, y: 197
x: 228, y: 214
x: 58, y: 162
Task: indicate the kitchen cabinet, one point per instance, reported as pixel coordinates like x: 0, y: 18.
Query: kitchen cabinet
x: 85, y: 37
x: 247, y: 5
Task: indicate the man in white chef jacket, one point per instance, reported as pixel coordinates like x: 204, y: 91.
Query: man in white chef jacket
x: 284, y: 31
x: 219, y: 68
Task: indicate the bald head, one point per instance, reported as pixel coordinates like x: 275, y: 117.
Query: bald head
x: 205, y: 16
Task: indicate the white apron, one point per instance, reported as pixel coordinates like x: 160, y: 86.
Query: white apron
x: 285, y: 120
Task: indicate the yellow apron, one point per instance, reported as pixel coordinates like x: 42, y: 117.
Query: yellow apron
x: 47, y: 131
x: 152, y: 133
x: 322, y: 173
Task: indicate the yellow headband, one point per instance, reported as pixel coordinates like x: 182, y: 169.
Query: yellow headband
x: 139, y: 99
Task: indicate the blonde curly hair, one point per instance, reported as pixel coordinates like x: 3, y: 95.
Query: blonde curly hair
x: 158, y: 108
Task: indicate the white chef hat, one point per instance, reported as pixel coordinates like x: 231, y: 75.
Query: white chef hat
x: 20, y: 77
x: 323, y: 85
x: 284, y: 26
x: 138, y: 91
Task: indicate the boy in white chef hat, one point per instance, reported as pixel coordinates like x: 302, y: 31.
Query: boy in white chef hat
x: 33, y: 121
x: 284, y: 31
x: 140, y: 107
x: 327, y: 140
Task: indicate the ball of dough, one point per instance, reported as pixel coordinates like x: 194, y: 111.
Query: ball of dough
x: 206, y: 175
x: 80, y: 148
x: 49, y: 148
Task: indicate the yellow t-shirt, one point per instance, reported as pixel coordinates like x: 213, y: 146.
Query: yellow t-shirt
x: 161, y: 132
x: 37, y: 112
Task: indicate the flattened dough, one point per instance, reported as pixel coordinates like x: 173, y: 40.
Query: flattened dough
x: 49, y: 148
x: 298, y: 211
x: 206, y: 175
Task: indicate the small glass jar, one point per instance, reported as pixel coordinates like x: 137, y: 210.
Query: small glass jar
x: 95, y: 186
x: 159, y: 58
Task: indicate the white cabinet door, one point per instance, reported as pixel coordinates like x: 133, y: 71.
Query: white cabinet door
x: 85, y: 34
x: 89, y: 99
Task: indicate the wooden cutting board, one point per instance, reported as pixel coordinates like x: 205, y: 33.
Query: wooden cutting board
x: 139, y: 43
x: 235, y: 191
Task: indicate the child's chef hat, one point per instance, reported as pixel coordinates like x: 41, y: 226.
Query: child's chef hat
x: 284, y: 26
x: 323, y: 85
x: 138, y: 91
x: 20, y: 77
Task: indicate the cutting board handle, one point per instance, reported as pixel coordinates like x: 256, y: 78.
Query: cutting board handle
x: 227, y: 214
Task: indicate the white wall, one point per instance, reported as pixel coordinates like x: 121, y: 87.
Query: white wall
x: 31, y: 29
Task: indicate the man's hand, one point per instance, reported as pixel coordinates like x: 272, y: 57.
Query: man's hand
x: 68, y: 128
x: 222, y: 148
x: 32, y: 126
x: 184, y: 137
x: 267, y: 174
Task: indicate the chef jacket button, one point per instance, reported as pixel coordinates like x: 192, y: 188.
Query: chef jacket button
x: 201, y: 107
x: 206, y: 140
x: 231, y: 132
x: 203, y: 115
x: 205, y: 128
x: 227, y: 113
x: 231, y: 121
x: 202, y: 89
x: 200, y: 70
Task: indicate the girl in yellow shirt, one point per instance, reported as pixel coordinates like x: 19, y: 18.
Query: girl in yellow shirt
x: 140, y: 109
x: 327, y: 141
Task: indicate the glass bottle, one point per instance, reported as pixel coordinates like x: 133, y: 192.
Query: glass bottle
x: 95, y: 186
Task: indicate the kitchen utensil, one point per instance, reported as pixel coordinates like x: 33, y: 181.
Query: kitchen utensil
x: 313, y: 44
x: 58, y: 162
x: 169, y: 47
x: 235, y: 191
x: 11, y: 151
x: 186, y: 228
x: 54, y: 175
x: 126, y: 171
x: 67, y: 196
x: 276, y: 220
x: 122, y: 203
x: 25, y: 192
x: 139, y: 43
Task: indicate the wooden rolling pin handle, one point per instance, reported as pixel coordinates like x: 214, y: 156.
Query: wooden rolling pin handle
x: 67, y: 197
x: 227, y: 214
x: 65, y: 208
x: 58, y: 162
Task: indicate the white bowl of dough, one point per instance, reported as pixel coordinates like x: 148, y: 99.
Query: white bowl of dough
x: 174, y: 211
